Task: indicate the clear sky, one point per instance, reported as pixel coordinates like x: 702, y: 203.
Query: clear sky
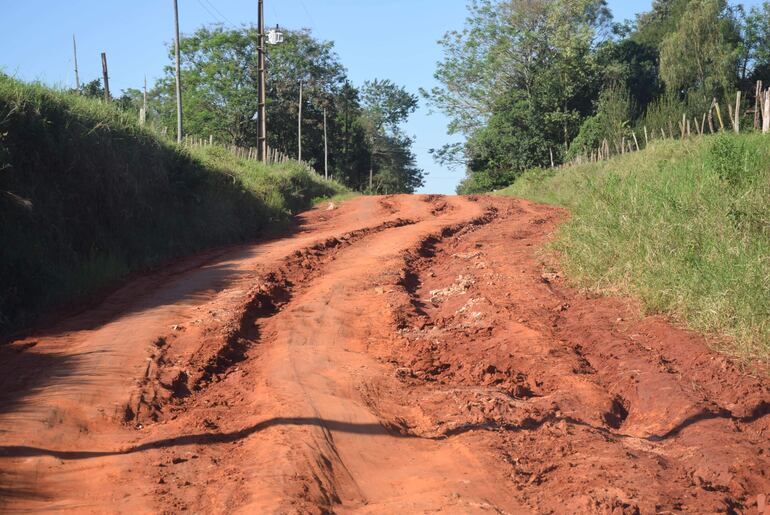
x: 394, y: 39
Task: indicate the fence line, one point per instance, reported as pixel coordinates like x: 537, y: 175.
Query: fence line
x: 687, y: 128
x: 274, y: 156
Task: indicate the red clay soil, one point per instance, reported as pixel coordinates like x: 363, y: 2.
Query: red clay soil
x: 393, y: 355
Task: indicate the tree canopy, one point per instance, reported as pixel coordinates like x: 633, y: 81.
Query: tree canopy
x: 525, y: 80
x: 220, y: 84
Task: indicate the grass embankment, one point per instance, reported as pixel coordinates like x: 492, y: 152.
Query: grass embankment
x: 683, y: 226
x: 87, y: 196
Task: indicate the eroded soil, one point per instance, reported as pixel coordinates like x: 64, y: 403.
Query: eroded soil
x: 391, y: 355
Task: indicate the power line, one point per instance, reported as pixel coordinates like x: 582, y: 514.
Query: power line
x: 312, y: 22
x: 216, y: 18
x: 220, y: 13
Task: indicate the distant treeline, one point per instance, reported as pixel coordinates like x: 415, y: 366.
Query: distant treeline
x: 531, y: 83
x: 367, y: 145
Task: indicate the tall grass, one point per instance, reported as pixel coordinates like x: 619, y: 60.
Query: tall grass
x: 86, y: 196
x: 684, y: 226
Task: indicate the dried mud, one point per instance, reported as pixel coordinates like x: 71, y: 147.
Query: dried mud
x: 395, y: 354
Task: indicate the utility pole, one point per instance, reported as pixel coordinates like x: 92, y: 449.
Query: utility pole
x: 262, y: 86
x: 143, y: 114
x: 371, y: 167
x: 326, y: 150
x: 77, y: 74
x: 299, y: 125
x: 106, y: 78
x: 179, y: 129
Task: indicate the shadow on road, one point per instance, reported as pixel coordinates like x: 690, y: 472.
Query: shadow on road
x: 21, y: 451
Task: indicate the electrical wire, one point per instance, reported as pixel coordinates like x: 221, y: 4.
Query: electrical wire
x: 214, y: 16
x: 312, y: 22
x: 220, y: 13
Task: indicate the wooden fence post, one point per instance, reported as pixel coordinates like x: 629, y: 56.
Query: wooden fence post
x: 766, y: 113
x: 719, y: 116
x: 738, y: 113
x: 757, y: 93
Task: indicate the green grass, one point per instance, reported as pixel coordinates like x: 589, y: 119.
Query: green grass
x: 87, y: 196
x: 683, y: 226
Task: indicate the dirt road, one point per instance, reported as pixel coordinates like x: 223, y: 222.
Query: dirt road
x: 393, y: 355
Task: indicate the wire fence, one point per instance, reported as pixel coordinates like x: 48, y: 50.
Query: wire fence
x: 273, y: 156
x: 687, y: 127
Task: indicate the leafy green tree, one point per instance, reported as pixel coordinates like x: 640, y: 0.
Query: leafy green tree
x: 92, y: 89
x: 700, y: 56
x: 313, y: 63
x: 653, y: 26
x: 520, y: 77
x: 754, y: 50
x: 220, y: 84
x: 632, y: 64
x: 386, y: 107
x: 612, y: 121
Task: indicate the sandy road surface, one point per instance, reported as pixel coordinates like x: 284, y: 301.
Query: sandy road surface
x: 397, y: 354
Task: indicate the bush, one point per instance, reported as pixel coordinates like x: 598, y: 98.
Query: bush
x: 485, y: 181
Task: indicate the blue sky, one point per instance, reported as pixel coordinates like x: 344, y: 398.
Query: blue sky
x: 394, y: 39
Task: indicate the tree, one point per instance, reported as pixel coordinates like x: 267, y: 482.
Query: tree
x: 303, y: 59
x: 700, y: 56
x: 527, y: 65
x: 653, y: 26
x: 220, y: 82
x: 754, y: 50
x: 386, y: 107
x: 632, y: 64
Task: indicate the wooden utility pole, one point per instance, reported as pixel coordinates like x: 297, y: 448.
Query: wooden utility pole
x: 371, y: 166
x: 143, y: 113
x: 179, y: 127
x: 262, y: 86
x: 77, y: 73
x: 106, y: 78
x: 326, y: 149
x: 299, y: 126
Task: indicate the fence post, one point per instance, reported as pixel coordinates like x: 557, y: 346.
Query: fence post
x: 719, y: 116
x: 757, y: 93
x: 766, y: 113
x: 738, y: 113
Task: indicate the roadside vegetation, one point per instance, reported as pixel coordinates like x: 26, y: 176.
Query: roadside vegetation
x: 369, y: 149
x: 683, y: 225
x: 87, y: 196
x: 529, y: 83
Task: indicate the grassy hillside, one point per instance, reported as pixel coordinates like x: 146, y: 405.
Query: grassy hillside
x: 684, y: 226
x: 86, y: 196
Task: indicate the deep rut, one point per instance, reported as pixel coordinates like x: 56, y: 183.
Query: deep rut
x: 400, y: 354
x: 585, y: 400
